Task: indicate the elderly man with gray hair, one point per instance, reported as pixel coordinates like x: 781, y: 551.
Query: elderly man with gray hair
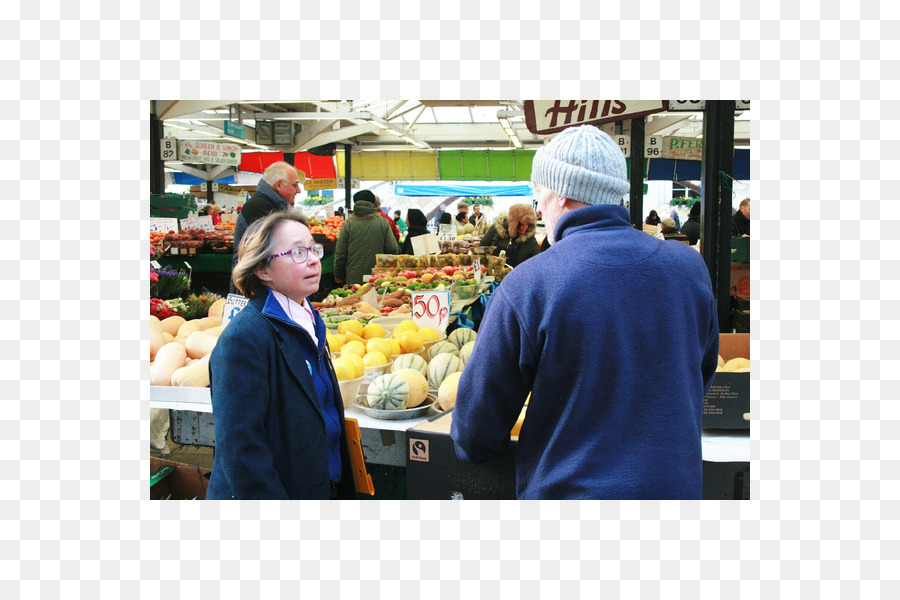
x: 276, y: 190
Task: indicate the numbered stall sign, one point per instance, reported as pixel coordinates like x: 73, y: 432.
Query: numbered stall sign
x: 431, y: 309
x: 233, y: 305
x: 168, y: 149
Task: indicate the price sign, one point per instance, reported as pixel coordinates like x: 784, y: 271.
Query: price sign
x: 476, y: 269
x: 447, y: 233
x: 168, y: 149
x: 431, y: 309
x: 233, y: 305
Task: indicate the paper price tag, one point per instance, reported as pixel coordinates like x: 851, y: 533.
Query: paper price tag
x: 431, y: 309
x: 233, y: 305
x: 476, y: 270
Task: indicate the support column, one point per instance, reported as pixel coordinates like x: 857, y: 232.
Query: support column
x: 715, y: 215
x: 636, y: 196
x: 347, y: 177
x: 157, y: 167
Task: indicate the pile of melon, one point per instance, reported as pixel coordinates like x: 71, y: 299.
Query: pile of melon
x: 413, y: 374
x: 179, y: 349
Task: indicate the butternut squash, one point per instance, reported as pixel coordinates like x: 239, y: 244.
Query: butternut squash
x: 207, y: 322
x: 167, y: 337
x: 156, y: 339
x: 170, y: 357
x: 195, y: 374
x: 186, y: 329
x: 171, y: 324
x: 215, y: 330
x: 199, y: 344
x: 217, y: 308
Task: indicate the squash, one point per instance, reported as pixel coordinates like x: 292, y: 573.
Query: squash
x: 462, y: 336
x: 170, y: 358
x: 199, y: 344
x: 410, y: 361
x: 388, y: 392
x: 447, y: 391
x: 215, y: 330
x: 186, y: 329
x: 208, y: 322
x: 440, y: 367
x: 466, y: 351
x: 418, y: 386
x: 195, y: 374
x: 217, y: 308
x: 167, y: 337
x: 721, y: 360
x: 156, y: 339
x: 171, y: 324
x: 441, y: 348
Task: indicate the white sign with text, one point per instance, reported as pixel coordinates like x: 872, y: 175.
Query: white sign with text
x: 431, y: 309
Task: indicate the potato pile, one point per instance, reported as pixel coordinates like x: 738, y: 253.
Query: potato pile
x: 179, y: 349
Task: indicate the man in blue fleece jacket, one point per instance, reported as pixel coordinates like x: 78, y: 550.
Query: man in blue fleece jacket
x: 616, y: 403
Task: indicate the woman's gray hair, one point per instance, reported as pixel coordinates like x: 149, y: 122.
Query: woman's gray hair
x: 257, y: 246
x: 276, y: 172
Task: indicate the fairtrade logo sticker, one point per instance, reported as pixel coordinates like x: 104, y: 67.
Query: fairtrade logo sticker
x: 418, y: 450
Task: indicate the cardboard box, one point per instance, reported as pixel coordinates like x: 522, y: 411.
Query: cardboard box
x: 185, y: 483
x: 434, y: 473
x: 740, y: 279
x: 728, y: 400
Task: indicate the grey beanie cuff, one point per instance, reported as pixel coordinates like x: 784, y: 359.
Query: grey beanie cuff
x: 582, y: 164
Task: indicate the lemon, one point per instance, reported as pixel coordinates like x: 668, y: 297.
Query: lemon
x: 429, y: 334
x: 410, y: 341
x: 373, y: 330
x: 351, y: 326
x: 403, y: 327
x: 380, y: 345
x: 353, y: 347
x: 357, y: 362
x: 352, y: 337
x: 343, y: 369
x: 374, y: 359
x: 335, y: 341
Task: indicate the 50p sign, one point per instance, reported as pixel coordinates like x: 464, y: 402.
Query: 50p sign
x: 431, y: 309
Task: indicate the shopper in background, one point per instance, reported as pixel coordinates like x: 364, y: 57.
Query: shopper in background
x: 692, y: 226
x: 439, y: 214
x: 215, y: 212
x: 675, y: 217
x: 578, y: 328
x: 368, y: 196
x: 514, y: 234
x: 478, y: 220
x: 668, y: 227
x: 275, y: 191
x: 401, y: 224
x: 279, y: 423
x: 740, y: 220
x: 652, y: 218
x: 418, y: 225
x: 362, y: 236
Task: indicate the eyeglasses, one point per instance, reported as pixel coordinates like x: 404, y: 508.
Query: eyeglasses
x: 296, y: 184
x: 300, y: 254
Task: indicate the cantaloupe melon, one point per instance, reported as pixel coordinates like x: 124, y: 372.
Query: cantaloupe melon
x: 388, y: 392
x: 418, y: 386
x: 410, y: 361
x: 447, y: 391
x: 441, y: 348
x: 466, y: 351
x: 460, y: 337
x: 440, y: 367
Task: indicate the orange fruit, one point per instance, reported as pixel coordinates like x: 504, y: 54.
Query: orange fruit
x: 374, y: 359
x: 429, y: 334
x: 357, y: 362
x: 373, y: 330
x: 353, y: 347
x: 343, y: 369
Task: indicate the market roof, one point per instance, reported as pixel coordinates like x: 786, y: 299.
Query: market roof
x: 297, y: 126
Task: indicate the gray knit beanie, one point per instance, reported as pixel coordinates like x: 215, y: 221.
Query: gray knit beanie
x: 583, y: 164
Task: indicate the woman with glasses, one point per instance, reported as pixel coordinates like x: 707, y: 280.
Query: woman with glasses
x: 279, y: 418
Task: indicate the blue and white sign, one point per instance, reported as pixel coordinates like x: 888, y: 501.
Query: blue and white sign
x: 233, y: 305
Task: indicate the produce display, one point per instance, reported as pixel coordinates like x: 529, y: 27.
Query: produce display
x: 413, y: 355
x: 180, y: 348
x: 330, y: 227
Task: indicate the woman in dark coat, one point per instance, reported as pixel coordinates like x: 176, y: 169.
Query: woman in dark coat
x: 514, y: 233
x: 652, y: 218
x: 418, y: 225
x: 279, y: 417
